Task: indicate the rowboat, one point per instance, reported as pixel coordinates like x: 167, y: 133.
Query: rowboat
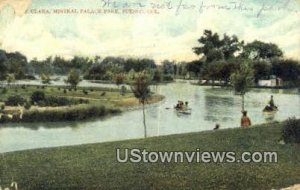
x: 184, y: 111
x: 270, y: 110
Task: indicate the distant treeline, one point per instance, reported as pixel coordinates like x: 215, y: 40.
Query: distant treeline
x: 219, y: 57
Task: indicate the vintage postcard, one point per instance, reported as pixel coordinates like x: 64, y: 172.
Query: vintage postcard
x: 149, y: 94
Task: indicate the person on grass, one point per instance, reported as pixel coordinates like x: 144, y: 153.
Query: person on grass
x: 245, y: 120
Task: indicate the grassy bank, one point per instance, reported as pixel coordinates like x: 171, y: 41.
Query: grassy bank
x: 99, y: 102
x: 94, y: 166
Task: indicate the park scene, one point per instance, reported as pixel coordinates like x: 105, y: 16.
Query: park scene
x: 64, y: 115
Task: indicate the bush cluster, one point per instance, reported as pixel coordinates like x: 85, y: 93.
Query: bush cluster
x: 72, y: 114
x: 4, y: 90
x: 54, y: 101
x: 291, y: 131
x: 37, y: 96
x: 15, y: 100
x: 168, y: 78
x: 42, y: 100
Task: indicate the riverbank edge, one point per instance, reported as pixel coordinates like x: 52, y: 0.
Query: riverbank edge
x: 94, y: 165
x: 78, y: 113
x: 134, y: 104
x: 254, y: 87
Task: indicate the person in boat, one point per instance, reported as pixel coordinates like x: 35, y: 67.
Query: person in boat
x: 245, y: 120
x: 179, y: 105
x: 217, y: 126
x: 186, y: 106
x: 271, y: 102
x: 271, y: 106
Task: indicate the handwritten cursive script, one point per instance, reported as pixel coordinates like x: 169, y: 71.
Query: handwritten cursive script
x: 181, y: 6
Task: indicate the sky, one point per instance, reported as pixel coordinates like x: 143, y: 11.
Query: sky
x: 170, y: 33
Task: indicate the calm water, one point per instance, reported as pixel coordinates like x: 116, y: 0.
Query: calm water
x: 209, y: 106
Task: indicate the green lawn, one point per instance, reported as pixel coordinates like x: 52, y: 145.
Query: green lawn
x: 95, y: 95
x: 94, y: 166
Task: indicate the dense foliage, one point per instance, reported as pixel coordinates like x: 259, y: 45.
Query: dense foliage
x: 291, y: 131
x: 15, y: 100
x: 54, y: 101
x: 72, y: 114
x: 219, y: 57
x: 39, y: 98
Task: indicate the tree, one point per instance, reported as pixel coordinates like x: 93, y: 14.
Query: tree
x: 17, y: 64
x: 119, y: 79
x: 214, y: 55
x: 96, y: 72
x: 215, y: 49
x: 139, y: 65
x: 45, y: 79
x: 209, y: 41
x: 287, y: 69
x: 3, y: 65
x: 141, y: 91
x: 241, y: 80
x: 212, y: 71
x: 226, y: 69
x: 37, y: 96
x: 258, y: 50
x: 73, y: 78
x: 195, y: 67
x: 168, y: 67
x: 262, y: 70
x: 10, y: 78
x: 231, y: 45
x: 157, y: 78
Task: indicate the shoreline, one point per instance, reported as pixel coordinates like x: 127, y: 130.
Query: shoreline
x: 68, y: 113
x: 253, y: 87
x: 98, y: 161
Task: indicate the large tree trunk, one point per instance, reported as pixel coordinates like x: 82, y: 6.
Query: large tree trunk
x: 144, y: 121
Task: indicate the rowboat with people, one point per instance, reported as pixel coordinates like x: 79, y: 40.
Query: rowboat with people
x: 183, y: 108
x: 271, y: 108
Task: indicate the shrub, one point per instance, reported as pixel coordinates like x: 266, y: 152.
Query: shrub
x: 23, y: 87
x: 54, y: 101
x: 37, y: 96
x: 123, y: 90
x: 15, y: 100
x: 68, y: 115
x: 291, y: 131
x: 30, y: 77
x: 65, y: 91
x: 83, y: 101
x: 103, y: 94
x: 72, y: 114
x: 168, y: 78
x: 85, y: 92
x: 4, y: 90
x: 27, y: 105
x: 2, y: 107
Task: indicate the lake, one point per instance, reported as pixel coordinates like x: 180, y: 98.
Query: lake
x: 209, y: 107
